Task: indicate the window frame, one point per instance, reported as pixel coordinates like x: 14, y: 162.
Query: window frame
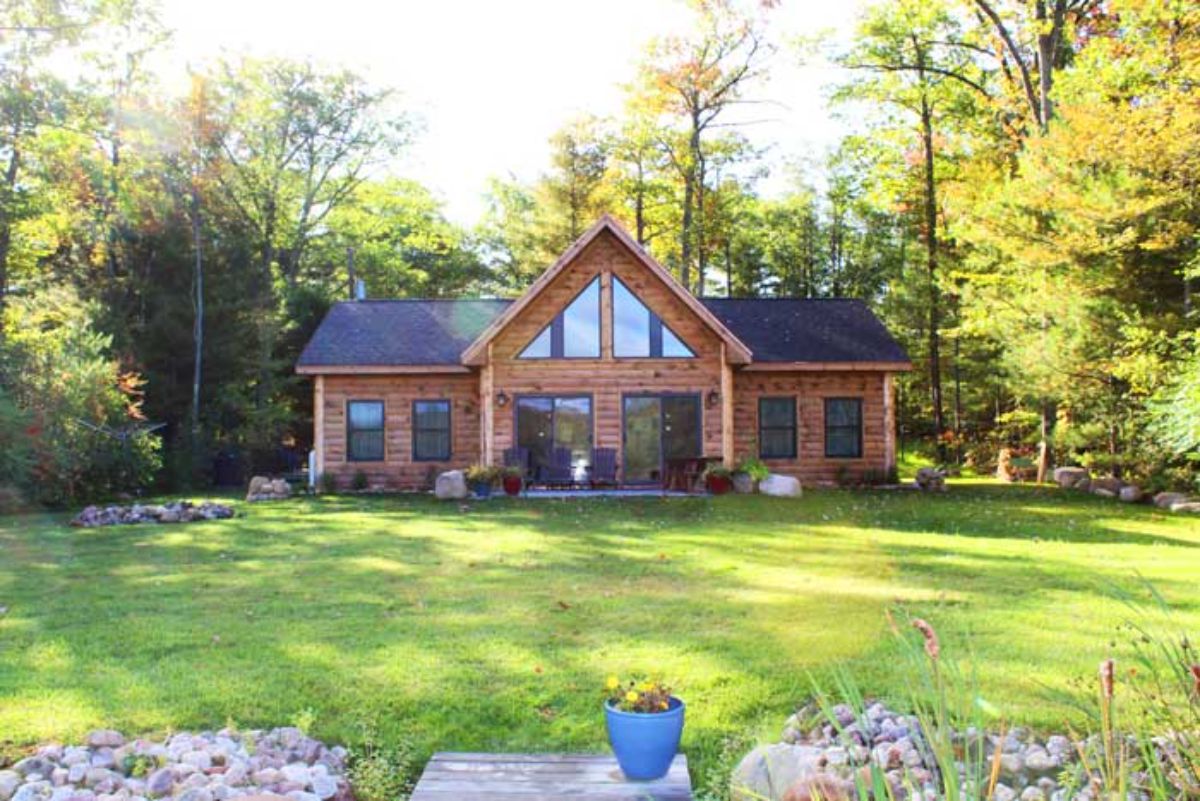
x: 793, y: 428
x: 350, y: 430
x: 655, y: 327
x: 858, y: 454
x: 557, y: 327
x: 449, y: 430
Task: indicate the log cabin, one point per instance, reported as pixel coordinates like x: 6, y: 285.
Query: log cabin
x: 605, y: 350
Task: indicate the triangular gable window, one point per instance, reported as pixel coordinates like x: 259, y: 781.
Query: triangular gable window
x: 639, y: 332
x: 574, y: 333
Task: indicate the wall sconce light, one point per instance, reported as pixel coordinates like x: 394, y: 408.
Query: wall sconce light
x: 713, y: 398
x: 501, y: 398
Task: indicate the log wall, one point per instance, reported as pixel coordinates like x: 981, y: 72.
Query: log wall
x: 398, y: 470
x: 810, y: 389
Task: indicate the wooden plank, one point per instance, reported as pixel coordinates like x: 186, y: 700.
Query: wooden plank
x: 486, y: 404
x: 545, y: 777
x: 319, y: 425
x: 727, y: 446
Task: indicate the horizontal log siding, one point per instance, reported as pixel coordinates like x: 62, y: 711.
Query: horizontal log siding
x: 606, y: 379
x: 398, y: 470
x: 810, y: 390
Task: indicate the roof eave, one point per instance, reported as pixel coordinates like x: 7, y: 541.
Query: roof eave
x: 831, y: 366
x: 379, y: 369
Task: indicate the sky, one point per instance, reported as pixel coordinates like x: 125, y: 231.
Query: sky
x: 490, y: 81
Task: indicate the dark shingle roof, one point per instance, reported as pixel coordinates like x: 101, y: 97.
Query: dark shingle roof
x: 398, y: 332
x: 807, y: 330
x: 435, y: 332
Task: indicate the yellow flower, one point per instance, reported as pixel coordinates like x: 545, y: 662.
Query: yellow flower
x: 647, y: 686
x: 631, y: 697
x: 613, y: 682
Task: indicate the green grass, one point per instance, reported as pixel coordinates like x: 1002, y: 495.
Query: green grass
x: 492, y: 627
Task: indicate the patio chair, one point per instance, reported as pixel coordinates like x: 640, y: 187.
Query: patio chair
x: 559, y: 471
x: 604, y: 467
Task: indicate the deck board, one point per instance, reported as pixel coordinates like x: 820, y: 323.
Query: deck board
x: 543, y: 777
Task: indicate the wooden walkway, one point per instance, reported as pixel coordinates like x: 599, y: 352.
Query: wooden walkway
x: 543, y: 777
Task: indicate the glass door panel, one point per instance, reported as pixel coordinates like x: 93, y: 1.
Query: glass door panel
x: 643, y: 445
x: 681, y: 427
x: 535, y: 429
x: 658, y: 428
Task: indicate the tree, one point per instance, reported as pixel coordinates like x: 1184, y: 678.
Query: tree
x: 900, y: 49
x: 691, y: 81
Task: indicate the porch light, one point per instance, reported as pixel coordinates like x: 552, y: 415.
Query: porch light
x: 501, y: 398
x: 713, y: 398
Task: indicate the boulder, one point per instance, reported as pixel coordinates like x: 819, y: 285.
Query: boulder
x: 769, y: 771
x: 1189, y: 507
x: 1165, y: 500
x: 258, y: 485
x: 280, y: 487
x: 1068, y: 477
x: 10, y: 780
x: 780, y: 486
x: 1131, y: 493
x: 451, y: 486
x: 930, y: 480
x: 743, y: 484
x: 1106, y: 486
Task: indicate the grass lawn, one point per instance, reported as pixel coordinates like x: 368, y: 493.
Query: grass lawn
x: 494, y: 626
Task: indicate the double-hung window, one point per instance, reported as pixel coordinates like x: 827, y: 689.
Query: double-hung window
x: 843, y: 428
x: 777, y: 428
x: 364, y: 431
x: 431, y: 430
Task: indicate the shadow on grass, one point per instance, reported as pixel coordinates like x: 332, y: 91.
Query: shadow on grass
x: 491, y: 625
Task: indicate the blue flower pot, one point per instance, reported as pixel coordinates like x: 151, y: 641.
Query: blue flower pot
x: 481, y: 489
x: 645, y: 743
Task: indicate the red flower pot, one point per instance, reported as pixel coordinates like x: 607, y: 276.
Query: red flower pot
x: 512, y: 485
x: 719, y: 485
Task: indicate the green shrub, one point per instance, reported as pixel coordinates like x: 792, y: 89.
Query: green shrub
x: 753, y: 467
x: 328, y: 482
x: 482, y: 474
x: 381, y: 771
x: 359, y: 482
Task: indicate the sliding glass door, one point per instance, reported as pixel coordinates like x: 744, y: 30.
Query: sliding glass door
x: 657, y: 429
x: 548, y: 422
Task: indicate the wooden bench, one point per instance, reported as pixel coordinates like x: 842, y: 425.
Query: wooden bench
x: 543, y: 777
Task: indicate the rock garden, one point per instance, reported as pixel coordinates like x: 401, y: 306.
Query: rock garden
x: 1081, y: 480
x: 208, y: 766
x: 815, y: 758
x: 176, y: 512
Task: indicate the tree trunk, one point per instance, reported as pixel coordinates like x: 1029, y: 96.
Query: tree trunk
x: 1047, y: 35
x: 10, y: 183
x: 198, y: 311
x: 700, y: 244
x: 728, y: 267
x: 639, y: 205
x: 931, y: 263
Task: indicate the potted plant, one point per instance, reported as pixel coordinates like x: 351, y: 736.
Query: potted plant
x: 512, y: 481
x: 644, y: 724
x: 718, y: 479
x: 480, y: 479
x: 748, y: 473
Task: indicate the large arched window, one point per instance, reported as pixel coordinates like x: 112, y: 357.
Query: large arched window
x: 574, y: 333
x: 639, y: 332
